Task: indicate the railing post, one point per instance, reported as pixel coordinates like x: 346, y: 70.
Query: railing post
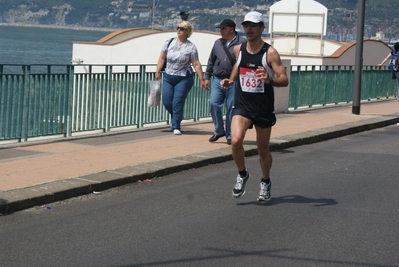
x: 26, y: 71
x: 47, y: 101
x: 2, y: 107
x: 312, y: 88
x: 108, y: 96
x: 142, y: 104
x: 69, y: 100
x: 327, y: 81
x: 337, y: 77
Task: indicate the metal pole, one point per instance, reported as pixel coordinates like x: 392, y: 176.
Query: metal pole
x: 358, y: 59
x: 153, y: 11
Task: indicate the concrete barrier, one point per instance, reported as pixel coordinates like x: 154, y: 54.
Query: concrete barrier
x: 282, y: 94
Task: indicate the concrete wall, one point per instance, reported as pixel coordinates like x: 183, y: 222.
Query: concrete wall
x: 282, y: 94
x: 307, y: 46
x: 374, y: 51
x: 144, y: 49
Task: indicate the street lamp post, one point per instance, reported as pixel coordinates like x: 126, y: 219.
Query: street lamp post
x: 358, y: 59
x: 153, y: 14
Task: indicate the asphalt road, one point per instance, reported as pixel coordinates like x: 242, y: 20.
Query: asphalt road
x: 334, y: 203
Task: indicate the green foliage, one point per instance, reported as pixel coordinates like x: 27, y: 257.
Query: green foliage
x: 75, y: 16
x: 48, y: 3
x: 9, y: 4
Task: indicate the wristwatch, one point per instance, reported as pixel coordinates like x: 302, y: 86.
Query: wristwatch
x: 271, y: 80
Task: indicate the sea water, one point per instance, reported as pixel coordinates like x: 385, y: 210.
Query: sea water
x: 50, y: 46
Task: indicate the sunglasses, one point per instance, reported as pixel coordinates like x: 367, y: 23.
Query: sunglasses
x: 181, y: 29
x: 251, y: 24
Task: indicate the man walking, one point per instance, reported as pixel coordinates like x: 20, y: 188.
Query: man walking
x: 394, y: 58
x: 259, y: 68
x: 220, y: 65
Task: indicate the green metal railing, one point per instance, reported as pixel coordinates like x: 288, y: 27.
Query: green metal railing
x: 322, y: 85
x: 44, y: 100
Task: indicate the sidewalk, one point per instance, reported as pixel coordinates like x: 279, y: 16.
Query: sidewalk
x: 42, y: 172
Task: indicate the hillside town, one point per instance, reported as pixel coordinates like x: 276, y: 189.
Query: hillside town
x: 122, y: 14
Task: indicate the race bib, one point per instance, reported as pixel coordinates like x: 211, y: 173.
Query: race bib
x: 249, y: 82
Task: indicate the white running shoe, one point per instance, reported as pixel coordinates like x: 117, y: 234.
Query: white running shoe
x: 239, y: 187
x: 176, y: 132
x: 265, y: 194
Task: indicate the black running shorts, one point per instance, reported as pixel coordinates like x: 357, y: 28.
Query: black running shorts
x: 265, y: 120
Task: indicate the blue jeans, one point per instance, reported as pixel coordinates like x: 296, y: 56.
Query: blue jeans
x: 397, y: 96
x: 174, y: 93
x: 216, y: 100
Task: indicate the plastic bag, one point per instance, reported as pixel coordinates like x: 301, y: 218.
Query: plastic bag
x: 154, y: 99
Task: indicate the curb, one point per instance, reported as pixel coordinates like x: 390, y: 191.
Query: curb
x: 24, y: 198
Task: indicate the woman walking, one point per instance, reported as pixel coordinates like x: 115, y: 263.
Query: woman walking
x: 180, y: 55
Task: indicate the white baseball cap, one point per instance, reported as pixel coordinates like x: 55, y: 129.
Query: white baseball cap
x: 253, y: 16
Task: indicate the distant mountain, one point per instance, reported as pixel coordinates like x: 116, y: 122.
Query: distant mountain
x: 204, y: 14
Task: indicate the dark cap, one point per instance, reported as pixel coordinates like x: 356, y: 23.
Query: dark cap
x: 226, y: 23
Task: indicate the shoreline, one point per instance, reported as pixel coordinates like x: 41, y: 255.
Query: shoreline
x: 77, y: 28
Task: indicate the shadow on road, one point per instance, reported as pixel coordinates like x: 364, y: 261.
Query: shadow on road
x: 296, y: 199
x: 276, y: 254
x: 3, y: 207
